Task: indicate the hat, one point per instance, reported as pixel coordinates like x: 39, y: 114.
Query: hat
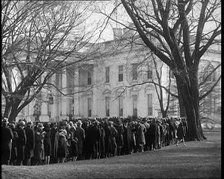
x: 12, y: 125
x: 62, y: 132
x: 29, y: 123
x: 40, y: 125
x: 111, y: 123
x: 5, y: 120
x: 22, y: 123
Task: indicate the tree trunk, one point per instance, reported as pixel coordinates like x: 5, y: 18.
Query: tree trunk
x: 164, y: 113
x: 7, y: 110
x: 194, y: 131
x: 13, y: 115
x: 181, y: 104
x: 193, y: 75
x: 14, y: 111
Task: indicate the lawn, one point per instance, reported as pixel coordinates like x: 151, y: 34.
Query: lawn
x: 196, y: 160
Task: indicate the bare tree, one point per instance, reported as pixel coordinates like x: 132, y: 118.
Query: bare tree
x: 179, y: 29
x: 209, y: 89
x: 38, y: 39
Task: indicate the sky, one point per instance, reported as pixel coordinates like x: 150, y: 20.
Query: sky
x: 98, y: 19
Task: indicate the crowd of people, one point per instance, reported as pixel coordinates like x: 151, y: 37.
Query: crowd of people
x: 26, y: 143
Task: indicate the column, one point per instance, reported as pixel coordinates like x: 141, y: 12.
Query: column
x: 44, y: 113
x: 76, y: 95
x: 94, y: 94
x: 64, y: 99
x: 54, y: 106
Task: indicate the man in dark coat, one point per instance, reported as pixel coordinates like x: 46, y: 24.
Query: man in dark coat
x: 14, y: 144
x: 112, y: 138
x: 127, y: 138
x: 152, y: 135
x: 102, y: 141
x: 107, y: 134
x: 92, y: 140
x: 6, y: 143
x: 181, y: 132
x: 21, y: 142
x: 119, y: 138
x: 53, y: 158
x: 80, y: 133
x: 30, y: 143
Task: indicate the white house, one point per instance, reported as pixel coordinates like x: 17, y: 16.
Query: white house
x: 107, y: 85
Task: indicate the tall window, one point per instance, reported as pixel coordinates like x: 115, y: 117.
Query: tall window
x: 107, y: 74
x: 134, y: 71
x: 149, y: 101
x: 135, y: 110
x: 89, y: 101
x: 171, y: 74
x: 210, y: 75
x: 89, y: 76
x: 71, y: 106
x: 149, y: 71
x: 120, y: 73
x: 107, y: 106
x: 48, y: 110
x: 59, y: 79
x: 120, y: 106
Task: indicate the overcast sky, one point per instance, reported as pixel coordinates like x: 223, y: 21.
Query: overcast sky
x: 97, y: 19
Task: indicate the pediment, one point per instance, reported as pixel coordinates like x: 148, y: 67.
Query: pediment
x: 107, y: 92
x: 149, y: 87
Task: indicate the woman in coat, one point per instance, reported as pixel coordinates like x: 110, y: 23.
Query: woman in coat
x: 14, y: 144
x: 81, y: 137
x: 140, y: 137
x: 62, y: 152
x: 47, y: 144
x: 119, y: 138
x: 39, y: 145
x: 21, y: 142
x: 73, y: 152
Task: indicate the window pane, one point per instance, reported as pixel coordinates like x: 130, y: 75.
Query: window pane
x: 107, y: 74
x: 107, y: 106
x: 120, y: 108
x: 134, y: 71
x: 149, y: 97
x: 135, y: 112
x: 120, y: 73
x: 149, y: 72
x: 89, y: 78
x: 89, y: 107
x: 171, y: 74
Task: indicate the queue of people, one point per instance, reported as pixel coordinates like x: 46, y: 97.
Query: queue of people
x: 25, y: 143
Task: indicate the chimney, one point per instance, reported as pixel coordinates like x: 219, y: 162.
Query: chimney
x: 118, y: 32
x: 127, y: 33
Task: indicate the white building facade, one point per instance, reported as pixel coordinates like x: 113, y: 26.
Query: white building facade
x: 108, y: 85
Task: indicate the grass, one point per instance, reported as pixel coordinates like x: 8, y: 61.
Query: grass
x: 196, y: 160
